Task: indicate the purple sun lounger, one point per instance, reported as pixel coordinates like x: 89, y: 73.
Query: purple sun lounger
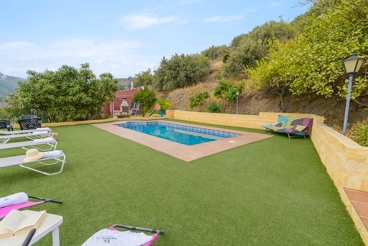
x: 5, y: 210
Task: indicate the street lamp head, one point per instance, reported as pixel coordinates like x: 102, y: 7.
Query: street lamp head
x: 352, y: 64
x: 237, y: 92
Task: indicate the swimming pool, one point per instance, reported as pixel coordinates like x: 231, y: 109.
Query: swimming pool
x: 187, y: 135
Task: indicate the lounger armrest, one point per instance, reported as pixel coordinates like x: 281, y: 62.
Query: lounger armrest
x: 138, y: 228
x: 45, y: 199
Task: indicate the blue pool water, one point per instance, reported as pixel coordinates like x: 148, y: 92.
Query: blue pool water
x: 187, y: 135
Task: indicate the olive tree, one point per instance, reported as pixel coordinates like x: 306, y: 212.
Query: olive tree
x: 180, y: 71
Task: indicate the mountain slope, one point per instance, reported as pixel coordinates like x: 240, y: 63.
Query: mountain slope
x: 8, y: 84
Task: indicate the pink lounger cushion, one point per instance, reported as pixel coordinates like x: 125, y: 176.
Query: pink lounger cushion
x: 5, y: 210
x: 154, y: 236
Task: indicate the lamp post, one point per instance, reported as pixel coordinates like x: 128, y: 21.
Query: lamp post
x: 237, y: 102
x: 351, y: 65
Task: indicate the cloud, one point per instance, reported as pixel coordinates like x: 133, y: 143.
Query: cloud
x: 223, y: 18
x: 117, y: 57
x: 138, y: 21
x: 250, y: 10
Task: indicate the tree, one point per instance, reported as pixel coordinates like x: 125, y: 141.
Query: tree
x: 214, y: 52
x: 160, y: 75
x: 245, y: 55
x: 146, y: 99
x: 68, y: 93
x: 144, y: 78
x: 227, y: 90
x: 180, y: 71
x: 164, y: 104
x: 313, y: 59
x: 251, y: 47
x: 123, y: 87
x: 271, y: 74
x: 198, y: 99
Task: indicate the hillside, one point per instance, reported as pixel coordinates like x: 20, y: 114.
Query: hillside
x: 125, y: 83
x: 8, y: 84
x: 252, y: 102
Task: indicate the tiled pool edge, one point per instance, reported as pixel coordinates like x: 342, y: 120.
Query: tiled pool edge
x: 207, y: 134
x: 184, y: 152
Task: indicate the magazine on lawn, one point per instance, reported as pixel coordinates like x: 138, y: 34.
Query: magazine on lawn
x: 18, y: 222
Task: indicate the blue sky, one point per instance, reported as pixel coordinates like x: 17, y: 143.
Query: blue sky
x: 123, y: 37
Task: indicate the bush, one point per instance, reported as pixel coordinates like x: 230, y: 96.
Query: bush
x: 197, y: 99
x: 123, y: 116
x: 361, y: 133
x: 226, y: 56
x: 213, y: 107
x: 219, y: 75
x: 214, y: 52
x: 180, y: 71
x: 164, y: 104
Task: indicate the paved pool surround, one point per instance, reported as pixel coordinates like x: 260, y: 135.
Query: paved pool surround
x: 181, y: 151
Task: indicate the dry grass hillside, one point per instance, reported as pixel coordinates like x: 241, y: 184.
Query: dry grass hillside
x: 252, y: 102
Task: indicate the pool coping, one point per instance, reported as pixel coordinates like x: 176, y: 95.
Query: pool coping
x: 181, y: 151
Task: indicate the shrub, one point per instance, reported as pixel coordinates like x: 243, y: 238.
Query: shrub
x: 213, y: 107
x: 123, y: 116
x: 164, y: 104
x: 214, y: 52
x: 197, y: 99
x: 219, y: 75
x: 361, y: 133
x: 226, y: 56
x: 180, y: 71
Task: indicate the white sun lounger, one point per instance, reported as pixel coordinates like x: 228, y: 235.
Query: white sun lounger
x: 18, y: 161
x: 32, y: 135
x: 2, y: 132
x: 35, y: 144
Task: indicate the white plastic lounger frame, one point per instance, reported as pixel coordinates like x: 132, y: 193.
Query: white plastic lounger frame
x: 18, y: 161
x: 34, y: 135
x: 30, y: 145
x: 2, y: 132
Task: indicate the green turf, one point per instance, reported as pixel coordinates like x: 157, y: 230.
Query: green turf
x: 272, y: 192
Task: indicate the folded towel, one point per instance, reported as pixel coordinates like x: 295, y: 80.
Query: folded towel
x: 44, y: 140
x: 40, y: 132
x: 52, y: 154
x: 13, y: 199
x: 43, y: 129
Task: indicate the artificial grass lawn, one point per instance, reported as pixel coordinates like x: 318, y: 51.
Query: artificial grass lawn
x: 272, y: 192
